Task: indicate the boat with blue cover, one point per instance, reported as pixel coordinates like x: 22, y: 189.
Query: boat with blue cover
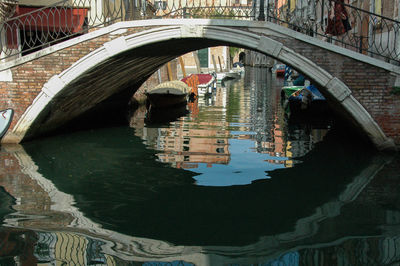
x: 307, y: 100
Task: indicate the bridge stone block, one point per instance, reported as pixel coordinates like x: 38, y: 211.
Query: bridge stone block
x: 6, y: 75
x: 116, y: 46
x: 306, y: 66
x: 30, y: 115
x: 269, y: 46
x: 53, y: 86
x: 338, y: 89
x: 192, y: 31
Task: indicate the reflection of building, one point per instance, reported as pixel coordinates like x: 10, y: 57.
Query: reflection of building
x: 71, y: 247
x: 186, y: 143
x: 272, y: 134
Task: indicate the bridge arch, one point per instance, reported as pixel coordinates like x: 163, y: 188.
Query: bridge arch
x: 63, y: 97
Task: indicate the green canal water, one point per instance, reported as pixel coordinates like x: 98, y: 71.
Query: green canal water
x: 227, y: 180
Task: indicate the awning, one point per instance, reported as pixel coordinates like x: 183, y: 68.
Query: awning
x: 65, y: 20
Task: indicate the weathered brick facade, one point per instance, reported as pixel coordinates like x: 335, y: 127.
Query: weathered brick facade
x: 370, y: 85
x: 30, y: 77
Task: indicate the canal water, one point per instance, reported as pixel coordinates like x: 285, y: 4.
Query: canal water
x: 228, y: 180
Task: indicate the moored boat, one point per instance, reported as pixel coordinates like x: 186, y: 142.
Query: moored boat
x: 307, y: 101
x: 289, y: 90
x: 233, y: 74
x: 279, y: 69
x: 205, y: 82
x: 5, y: 120
x: 167, y: 94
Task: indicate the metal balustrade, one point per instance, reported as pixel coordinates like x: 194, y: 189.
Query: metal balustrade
x: 25, y: 29
x: 370, y: 33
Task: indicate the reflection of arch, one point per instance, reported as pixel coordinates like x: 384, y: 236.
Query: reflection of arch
x: 59, y: 90
x: 269, y: 246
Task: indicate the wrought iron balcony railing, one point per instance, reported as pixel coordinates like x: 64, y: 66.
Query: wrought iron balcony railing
x: 25, y: 29
x: 371, y: 34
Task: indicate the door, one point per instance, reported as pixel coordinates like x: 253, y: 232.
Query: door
x: 203, y: 57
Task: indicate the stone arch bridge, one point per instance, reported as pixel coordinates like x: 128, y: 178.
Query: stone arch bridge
x: 105, y: 67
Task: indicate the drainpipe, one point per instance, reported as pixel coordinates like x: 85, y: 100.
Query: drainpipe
x: 254, y: 14
x: 370, y: 26
x: 397, y: 33
x: 261, y: 16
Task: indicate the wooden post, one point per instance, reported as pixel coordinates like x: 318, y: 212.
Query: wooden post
x: 220, y: 65
x: 197, y: 60
x: 182, y: 66
x: 215, y: 65
x: 169, y: 71
x: 159, y: 76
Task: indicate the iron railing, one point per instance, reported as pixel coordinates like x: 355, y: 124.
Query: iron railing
x: 371, y: 34
x: 29, y: 29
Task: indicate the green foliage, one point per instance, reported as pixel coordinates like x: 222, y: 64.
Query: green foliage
x: 211, y: 12
x: 233, y: 51
x: 395, y: 91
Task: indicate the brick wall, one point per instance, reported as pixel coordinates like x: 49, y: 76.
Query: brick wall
x: 30, y: 77
x: 371, y: 86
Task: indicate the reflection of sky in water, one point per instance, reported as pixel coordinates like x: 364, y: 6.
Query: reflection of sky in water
x: 244, y: 167
x: 291, y: 258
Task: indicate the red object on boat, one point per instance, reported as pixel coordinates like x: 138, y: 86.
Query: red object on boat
x: 205, y: 78
x: 202, y: 81
x: 280, y: 72
x: 202, y: 78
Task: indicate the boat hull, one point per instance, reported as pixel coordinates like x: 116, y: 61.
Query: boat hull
x: 168, y: 94
x: 166, y: 100
x: 308, y: 101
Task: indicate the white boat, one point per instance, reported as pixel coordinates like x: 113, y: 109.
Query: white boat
x: 220, y: 76
x: 5, y: 120
x: 233, y: 74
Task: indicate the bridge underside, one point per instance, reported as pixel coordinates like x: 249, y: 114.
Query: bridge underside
x: 104, y: 91
x: 105, y: 79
